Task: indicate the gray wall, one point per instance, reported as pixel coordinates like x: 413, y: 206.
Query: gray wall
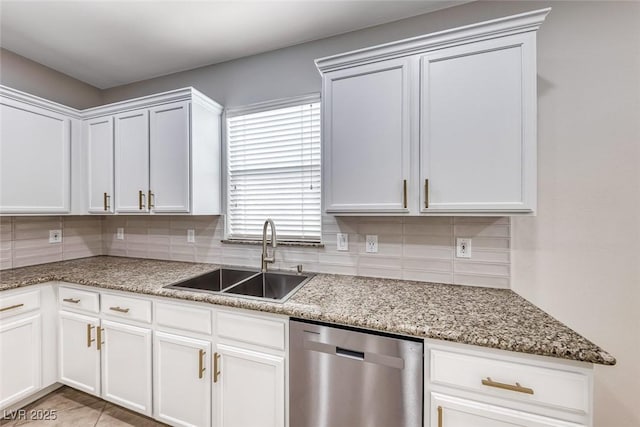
x: 28, y: 76
x: 578, y: 258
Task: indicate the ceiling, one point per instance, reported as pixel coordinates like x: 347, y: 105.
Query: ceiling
x: 110, y: 43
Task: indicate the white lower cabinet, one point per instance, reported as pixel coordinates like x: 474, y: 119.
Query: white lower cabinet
x: 450, y: 411
x: 182, y: 380
x: 126, y: 366
x: 78, y: 352
x: 20, y: 358
x: 249, y: 376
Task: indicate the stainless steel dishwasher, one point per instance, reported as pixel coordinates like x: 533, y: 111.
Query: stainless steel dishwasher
x: 344, y: 377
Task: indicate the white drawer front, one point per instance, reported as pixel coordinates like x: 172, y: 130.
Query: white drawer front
x: 19, y: 303
x: 126, y: 307
x: 186, y: 318
x: 76, y: 299
x: 251, y: 329
x: 553, y: 387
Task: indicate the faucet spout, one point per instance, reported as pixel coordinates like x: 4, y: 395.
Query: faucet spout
x: 266, y: 259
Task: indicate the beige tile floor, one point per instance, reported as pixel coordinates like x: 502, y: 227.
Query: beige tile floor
x: 74, y: 408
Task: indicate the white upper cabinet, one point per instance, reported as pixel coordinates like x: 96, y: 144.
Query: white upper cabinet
x: 35, y: 159
x: 169, y: 158
x: 98, y: 134
x: 451, y: 114
x: 366, y: 138
x: 132, y: 161
x: 478, y: 126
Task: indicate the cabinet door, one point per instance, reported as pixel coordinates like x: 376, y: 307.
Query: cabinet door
x: 126, y: 366
x: 366, y: 138
x: 79, y: 358
x: 478, y: 126
x: 249, y: 376
x: 449, y: 411
x: 99, y: 138
x: 169, y: 158
x: 132, y: 161
x: 35, y: 159
x: 182, y: 380
x: 20, y: 359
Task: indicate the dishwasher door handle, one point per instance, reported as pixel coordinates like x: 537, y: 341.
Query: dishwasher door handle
x: 375, y: 358
x: 351, y: 354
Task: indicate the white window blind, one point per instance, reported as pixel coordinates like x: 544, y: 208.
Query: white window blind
x: 273, y: 165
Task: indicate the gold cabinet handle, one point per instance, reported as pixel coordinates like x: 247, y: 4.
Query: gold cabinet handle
x: 489, y: 382
x: 11, y: 307
x: 89, y: 339
x: 106, y: 201
x: 99, y: 342
x: 426, y: 194
x: 141, y: 202
x: 119, y: 309
x: 201, y: 367
x: 216, y: 367
x: 404, y: 193
x: 439, y: 416
x: 71, y: 300
x: 151, y: 196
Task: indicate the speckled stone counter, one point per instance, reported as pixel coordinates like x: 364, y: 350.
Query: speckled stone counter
x: 496, y: 318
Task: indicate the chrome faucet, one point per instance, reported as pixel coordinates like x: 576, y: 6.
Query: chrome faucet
x: 266, y: 259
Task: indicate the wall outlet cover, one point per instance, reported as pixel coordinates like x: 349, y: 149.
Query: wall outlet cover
x: 191, y: 235
x: 342, y: 241
x: 371, y: 243
x: 120, y: 233
x: 55, y: 236
x: 463, y: 247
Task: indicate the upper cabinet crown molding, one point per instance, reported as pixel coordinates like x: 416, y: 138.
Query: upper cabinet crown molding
x: 184, y: 94
x: 36, y: 101
x: 524, y: 22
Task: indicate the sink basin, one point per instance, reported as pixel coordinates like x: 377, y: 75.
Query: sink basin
x: 214, y: 281
x: 273, y: 286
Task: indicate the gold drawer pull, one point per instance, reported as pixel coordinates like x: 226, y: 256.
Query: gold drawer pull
x: 99, y: 342
x: 89, y: 340
x: 489, y: 382
x: 151, y: 197
x: 141, y: 201
x: 404, y: 193
x: 426, y: 194
x: 121, y: 310
x: 71, y: 300
x: 216, y: 369
x: 439, y: 416
x: 11, y: 307
x: 106, y: 201
x: 201, y: 367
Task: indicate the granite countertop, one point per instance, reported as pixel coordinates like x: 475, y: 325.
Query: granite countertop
x: 487, y: 317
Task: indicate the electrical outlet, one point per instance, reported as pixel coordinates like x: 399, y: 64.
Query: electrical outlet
x: 372, y: 243
x: 55, y: 236
x: 342, y: 240
x: 120, y: 233
x: 191, y: 235
x: 463, y: 247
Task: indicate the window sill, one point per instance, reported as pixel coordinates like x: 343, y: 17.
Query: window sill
x: 280, y: 243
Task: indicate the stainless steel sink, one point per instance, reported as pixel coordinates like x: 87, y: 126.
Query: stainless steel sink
x: 214, y: 281
x: 274, y: 286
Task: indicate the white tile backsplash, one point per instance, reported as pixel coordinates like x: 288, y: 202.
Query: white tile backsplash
x: 411, y: 248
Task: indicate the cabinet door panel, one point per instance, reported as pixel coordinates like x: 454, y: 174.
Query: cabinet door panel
x: 449, y: 411
x: 35, y: 160
x: 99, y: 137
x: 478, y: 126
x: 126, y: 366
x: 181, y: 395
x: 248, y: 376
x: 169, y: 157
x: 366, y: 138
x: 79, y: 358
x: 132, y: 161
x: 20, y: 359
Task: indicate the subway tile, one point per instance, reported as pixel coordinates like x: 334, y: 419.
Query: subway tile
x: 342, y: 258
x: 413, y: 229
x: 427, y: 276
x: 373, y: 260
x: 427, y: 264
x: 485, y: 255
x: 393, y: 228
x: 481, y: 230
x: 479, y: 280
x: 490, y: 243
x: 481, y: 219
x: 336, y: 269
x: 471, y: 267
x: 386, y: 273
x: 30, y: 228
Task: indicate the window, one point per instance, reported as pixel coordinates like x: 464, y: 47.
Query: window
x: 273, y: 169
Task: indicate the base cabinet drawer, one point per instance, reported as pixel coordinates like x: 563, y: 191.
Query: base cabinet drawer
x: 562, y: 389
x: 449, y: 411
x: 123, y: 307
x: 19, y: 303
x: 78, y: 300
